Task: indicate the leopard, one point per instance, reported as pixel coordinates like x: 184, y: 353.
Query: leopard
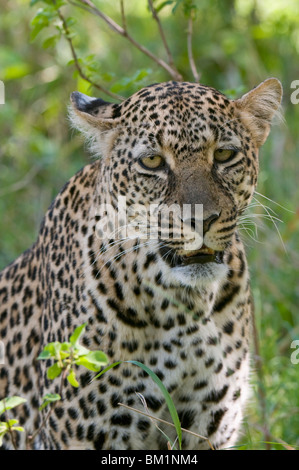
x: 170, y: 293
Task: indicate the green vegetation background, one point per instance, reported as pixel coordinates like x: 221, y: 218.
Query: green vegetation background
x: 236, y: 44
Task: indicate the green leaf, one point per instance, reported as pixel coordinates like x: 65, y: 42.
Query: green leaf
x: 93, y: 361
x: 50, y: 42
x: 50, y: 350
x: 12, y: 422
x: 10, y: 402
x: 9, y: 426
x: 44, y: 355
x: 56, y: 350
x: 14, y: 71
x: 163, y: 5
x: 72, y: 379
x: 49, y: 398
x: 57, y: 4
x: 97, y: 357
x: 127, y: 82
x: 54, y: 371
x: 177, y: 4
x: 42, y: 19
x: 18, y: 428
x: 74, y: 339
x: 3, y: 430
x: 80, y: 350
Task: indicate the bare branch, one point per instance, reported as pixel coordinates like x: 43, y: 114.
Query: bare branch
x: 163, y: 37
x: 77, y: 64
x: 195, y: 73
x: 122, y: 31
x: 123, y: 16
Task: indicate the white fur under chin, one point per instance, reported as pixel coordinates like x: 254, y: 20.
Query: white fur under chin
x: 198, y: 275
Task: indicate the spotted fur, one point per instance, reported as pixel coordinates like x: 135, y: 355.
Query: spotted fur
x: 189, y: 322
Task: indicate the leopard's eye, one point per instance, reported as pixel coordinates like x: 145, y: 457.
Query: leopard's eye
x: 152, y: 163
x: 222, y: 155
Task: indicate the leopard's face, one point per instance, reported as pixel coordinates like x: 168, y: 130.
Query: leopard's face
x: 182, y: 160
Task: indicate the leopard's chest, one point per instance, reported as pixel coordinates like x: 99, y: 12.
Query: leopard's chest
x: 195, y: 343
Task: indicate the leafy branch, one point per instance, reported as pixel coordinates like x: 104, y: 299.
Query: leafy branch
x: 66, y: 356
x: 51, y: 14
x: 10, y: 425
x: 69, y: 354
x: 77, y: 62
x: 123, y: 31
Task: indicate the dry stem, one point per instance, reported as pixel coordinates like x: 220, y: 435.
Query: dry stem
x: 166, y: 422
x: 195, y: 73
x: 163, y: 37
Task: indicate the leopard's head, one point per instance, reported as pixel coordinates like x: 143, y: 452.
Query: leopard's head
x: 183, y: 159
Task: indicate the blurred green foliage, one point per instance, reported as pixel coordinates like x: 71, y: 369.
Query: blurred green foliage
x: 236, y: 44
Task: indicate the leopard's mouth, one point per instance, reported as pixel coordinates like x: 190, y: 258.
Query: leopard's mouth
x: 202, y: 256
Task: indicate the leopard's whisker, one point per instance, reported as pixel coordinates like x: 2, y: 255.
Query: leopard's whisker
x: 272, y: 220
x: 123, y: 253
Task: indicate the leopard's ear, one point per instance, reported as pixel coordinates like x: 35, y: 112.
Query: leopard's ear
x: 88, y: 112
x: 259, y: 106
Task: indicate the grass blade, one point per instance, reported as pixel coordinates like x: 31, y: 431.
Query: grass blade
x: 167, y: 397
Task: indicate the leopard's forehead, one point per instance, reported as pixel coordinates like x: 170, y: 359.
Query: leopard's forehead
x: 177, y: 111
x: 181, y: 100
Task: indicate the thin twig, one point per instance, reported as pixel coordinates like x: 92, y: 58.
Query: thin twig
x: 77, y: 64
x: 123, y: 16
x: 143, y: 401
x: 163, y: 37
x: 166, y: 422
x: 122, y: 31
x: 195, y: 73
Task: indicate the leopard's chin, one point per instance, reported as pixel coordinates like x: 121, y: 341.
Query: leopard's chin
x: 195, y: 268
x: 199, y: 275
